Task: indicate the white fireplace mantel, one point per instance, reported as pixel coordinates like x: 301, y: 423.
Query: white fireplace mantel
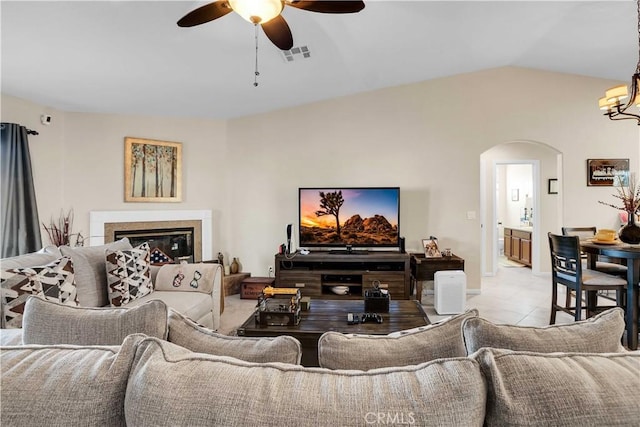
x: 97, y: 220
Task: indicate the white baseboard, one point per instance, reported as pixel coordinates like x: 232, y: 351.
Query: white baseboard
x: 469, y: 292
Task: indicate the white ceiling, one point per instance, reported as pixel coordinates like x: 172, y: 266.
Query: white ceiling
x: 131, y: 58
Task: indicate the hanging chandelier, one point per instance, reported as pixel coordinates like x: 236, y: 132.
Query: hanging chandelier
x: 612, y: 102
x: 257, y: 12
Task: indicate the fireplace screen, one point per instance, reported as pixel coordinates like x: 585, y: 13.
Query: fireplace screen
x: 172, y: 245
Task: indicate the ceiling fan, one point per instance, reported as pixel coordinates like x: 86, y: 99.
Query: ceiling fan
x: 267, y: 14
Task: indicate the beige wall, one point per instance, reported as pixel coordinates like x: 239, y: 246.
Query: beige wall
x: 426, y: 138
x: 78, y: 161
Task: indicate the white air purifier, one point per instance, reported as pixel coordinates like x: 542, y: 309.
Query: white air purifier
x: 449, y: 291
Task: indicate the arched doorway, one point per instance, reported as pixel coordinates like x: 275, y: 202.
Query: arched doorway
x: 546, y: 163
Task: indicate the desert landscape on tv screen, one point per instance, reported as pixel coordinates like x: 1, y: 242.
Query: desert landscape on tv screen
x: 364, y: 217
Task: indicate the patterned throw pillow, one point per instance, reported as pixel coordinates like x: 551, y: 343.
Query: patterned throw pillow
x: 52, y: 282
x: 128, y: 274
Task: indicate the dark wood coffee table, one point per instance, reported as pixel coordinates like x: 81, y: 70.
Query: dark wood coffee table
x: 331, y: 315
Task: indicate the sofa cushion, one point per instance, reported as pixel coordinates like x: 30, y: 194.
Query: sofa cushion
x: 10, y: 337
x: 443, y: 392
x: 202, y: 303
x: 90, y: 271
x: 195, y: 305
x: 186, y: 333
x: 128, y: 275
x: 568, y: 389
x: 598, y: 334
x: 50, y: 323
x: 409, y: 347
x: 186, y: 277
x: 53, y: 281
x: 65, y: 385
x: 43, y: 256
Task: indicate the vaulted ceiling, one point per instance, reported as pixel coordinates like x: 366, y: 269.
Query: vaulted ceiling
x: 130, y: 57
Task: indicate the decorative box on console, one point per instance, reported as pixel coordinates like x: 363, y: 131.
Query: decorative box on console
x: 252, y: 287
x: 376, y: 300
x: 278, y: 307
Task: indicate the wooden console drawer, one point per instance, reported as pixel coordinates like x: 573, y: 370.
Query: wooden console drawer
x: 425, y: 268
x: 317, y: 274
x: 309, y: 285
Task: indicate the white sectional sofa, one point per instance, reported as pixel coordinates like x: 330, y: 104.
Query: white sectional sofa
x: 571, y: 375
x: 203, y: 303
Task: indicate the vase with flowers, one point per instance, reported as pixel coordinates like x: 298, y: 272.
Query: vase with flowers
x: 630, y: 197
x: 59, y: 231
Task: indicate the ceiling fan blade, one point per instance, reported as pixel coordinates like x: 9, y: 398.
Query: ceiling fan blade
x: 327, y: 6
x: 205, y: 13
x: 277, y: 30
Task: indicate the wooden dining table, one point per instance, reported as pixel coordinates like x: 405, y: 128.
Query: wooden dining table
x: 631, y: 254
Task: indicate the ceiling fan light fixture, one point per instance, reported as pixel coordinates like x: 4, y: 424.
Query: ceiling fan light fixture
x: 257, y: 11
x: 267, y: 13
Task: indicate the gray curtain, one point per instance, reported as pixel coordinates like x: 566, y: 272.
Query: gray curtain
x: 20, y: 224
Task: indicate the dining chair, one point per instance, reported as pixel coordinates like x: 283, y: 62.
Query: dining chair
x: 567, y: 270
x: 610, y: 266
x: 603, y: 264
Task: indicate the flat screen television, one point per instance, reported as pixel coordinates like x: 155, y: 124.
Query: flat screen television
x: 365, y: 217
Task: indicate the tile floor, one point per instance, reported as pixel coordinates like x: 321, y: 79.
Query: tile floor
x: 514, y: 296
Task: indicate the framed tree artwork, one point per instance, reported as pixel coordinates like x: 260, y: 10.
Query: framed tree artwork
x: 152, y: 170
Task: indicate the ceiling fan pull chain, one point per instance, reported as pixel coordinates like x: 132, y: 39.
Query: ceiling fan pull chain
x: 257, y: 73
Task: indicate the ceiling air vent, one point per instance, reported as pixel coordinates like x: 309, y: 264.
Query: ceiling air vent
x: 296, y: 53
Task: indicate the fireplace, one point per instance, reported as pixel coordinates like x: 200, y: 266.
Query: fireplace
x: 169, y: 241
x: 173, y: 236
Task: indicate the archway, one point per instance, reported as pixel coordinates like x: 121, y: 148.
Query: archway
x: 546, y: 163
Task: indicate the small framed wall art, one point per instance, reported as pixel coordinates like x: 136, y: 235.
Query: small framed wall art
x: 152, y: 170
x: 553, y: 186
x: 607, y: 172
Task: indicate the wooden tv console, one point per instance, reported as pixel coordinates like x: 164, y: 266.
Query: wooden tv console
x: 317, y: 272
